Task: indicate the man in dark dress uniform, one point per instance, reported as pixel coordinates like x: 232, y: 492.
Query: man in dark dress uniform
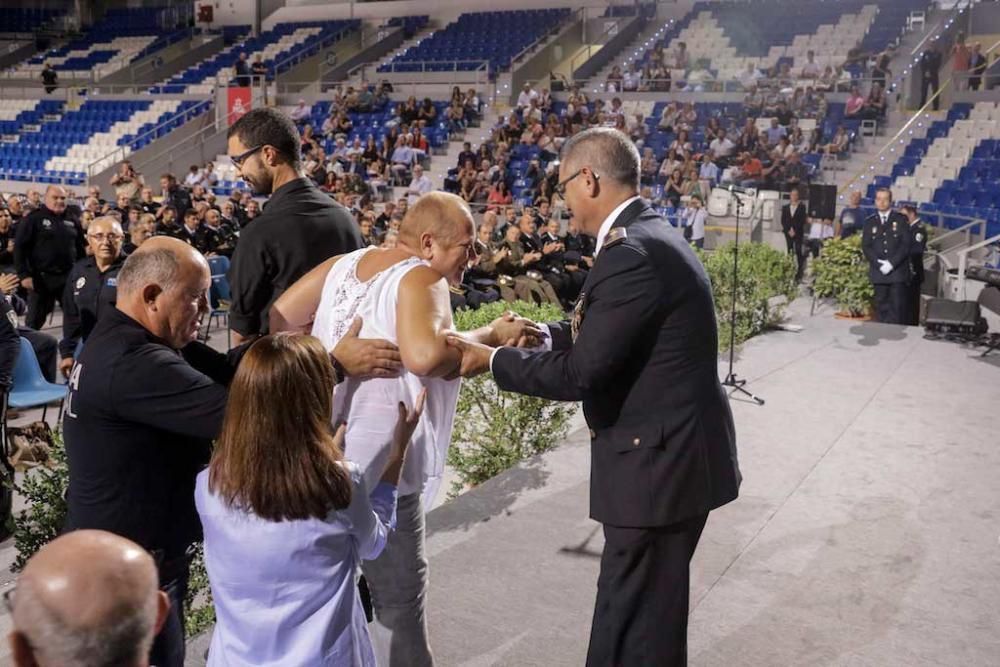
x: 930, y: 65
x: 641, y: 352
x: 886, y: 243
x: 918, y: 230
x: 793, y: 224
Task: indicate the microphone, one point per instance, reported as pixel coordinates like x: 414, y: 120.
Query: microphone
x: 740, y: 189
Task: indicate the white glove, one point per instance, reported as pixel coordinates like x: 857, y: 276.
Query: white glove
x: 885, y: 267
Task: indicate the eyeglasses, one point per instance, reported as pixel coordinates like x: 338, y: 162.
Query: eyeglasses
x: 560, y: 188
x: 101, y: 237
x: 238, y: 160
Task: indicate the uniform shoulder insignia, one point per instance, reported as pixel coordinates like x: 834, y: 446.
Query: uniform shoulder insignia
x: 919, y: 237
x: 614, y: 237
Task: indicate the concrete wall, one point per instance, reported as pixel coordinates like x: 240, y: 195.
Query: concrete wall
x: 626, y: 33
x: 175, y: 58
x: 539, y: 65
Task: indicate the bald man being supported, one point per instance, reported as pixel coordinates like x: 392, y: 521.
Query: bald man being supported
x: 400, y: 295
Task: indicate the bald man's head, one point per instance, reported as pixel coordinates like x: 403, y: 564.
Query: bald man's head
x: 88, y: 598
x: 439, y: 229
x: 163, y: 285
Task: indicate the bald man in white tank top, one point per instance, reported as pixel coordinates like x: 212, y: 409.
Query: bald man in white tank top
x: 400, y: 295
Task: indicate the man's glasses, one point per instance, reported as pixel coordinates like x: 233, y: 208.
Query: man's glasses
x: 238, y: 160
x: 560, y: 188
x: 101, y: 238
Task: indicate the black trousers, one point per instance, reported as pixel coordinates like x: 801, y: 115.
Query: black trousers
x: 892, y: 303
x: 926, y: 84
x: 42, y: 299
x: 168, y: 646
x: 641, y: 614
x: 913, y: 303
x: 795, y: 248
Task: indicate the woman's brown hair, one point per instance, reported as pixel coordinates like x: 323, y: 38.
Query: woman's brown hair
x: 276, y: 456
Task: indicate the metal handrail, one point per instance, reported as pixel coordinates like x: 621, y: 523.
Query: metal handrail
x: 963, y: 262
x: 92, y: 169
x: 965, y: 231
x: 212, y: 130
x: 336, y: 38
x: 559, y: 27
x: 945, y: 21
x: 602, y: 40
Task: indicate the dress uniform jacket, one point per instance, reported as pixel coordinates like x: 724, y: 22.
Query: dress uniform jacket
x: 644, y: 362
x: 890, y: 241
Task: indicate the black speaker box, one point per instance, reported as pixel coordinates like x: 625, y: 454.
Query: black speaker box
x: 823, y: 201
x: 954, y: 317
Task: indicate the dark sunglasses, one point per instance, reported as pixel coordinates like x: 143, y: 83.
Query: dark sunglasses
x: 238, y: 160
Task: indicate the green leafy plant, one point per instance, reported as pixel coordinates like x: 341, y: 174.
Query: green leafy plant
x: 495, y: 429
x: 763, y: 273
x: 841, y: 272
x: 44, y: 492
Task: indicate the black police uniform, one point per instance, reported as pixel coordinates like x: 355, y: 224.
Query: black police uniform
x: 917, y: 249
x: 140, y: 419
x: 930, y: 66
x: 889, y: 241
x: 204, y: 239
x: 795, y: 223
x: 552, y: 273
x: 10, y: 346
x: 641, y: 353
x: 46, y: 248
x: 89, y: 293
x: 558, y: 261
x: 299, y: 228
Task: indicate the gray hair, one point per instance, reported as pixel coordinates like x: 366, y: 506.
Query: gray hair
x: 123, y: 639
x: 159, y: 267
x: 609, y: 152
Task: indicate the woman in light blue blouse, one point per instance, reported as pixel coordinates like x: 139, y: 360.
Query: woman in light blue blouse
x: 286, y: 519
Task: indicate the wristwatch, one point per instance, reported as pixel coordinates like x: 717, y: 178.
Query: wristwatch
x: 339, y: 374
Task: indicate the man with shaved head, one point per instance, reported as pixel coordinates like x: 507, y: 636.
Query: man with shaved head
x: 48, y: 244
x: 87, y: 599
x: 145, y: 402
x: 400, y: 295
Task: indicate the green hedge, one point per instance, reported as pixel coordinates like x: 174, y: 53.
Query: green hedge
x: 494, y: 429
x: 841, y: 272
x: 764, y: 273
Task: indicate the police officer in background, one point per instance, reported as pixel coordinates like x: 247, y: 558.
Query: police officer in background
x: 91, y: 288
x: 48, y: 244
x: 930, y: 66
x: 918, y: 230
x: 886, y: 242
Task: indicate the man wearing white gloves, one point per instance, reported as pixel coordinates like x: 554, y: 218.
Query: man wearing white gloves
x: 886, y: 244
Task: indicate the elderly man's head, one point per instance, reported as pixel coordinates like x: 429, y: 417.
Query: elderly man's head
x: 439, y: 228
x: 599, y: 168
x: 164, y: 287
x: 87, y: 598
x: 104, y: 236
x: 55, y: 198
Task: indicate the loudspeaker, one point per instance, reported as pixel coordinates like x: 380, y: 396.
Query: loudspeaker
x: 954, y: 317
x: 822, y: 201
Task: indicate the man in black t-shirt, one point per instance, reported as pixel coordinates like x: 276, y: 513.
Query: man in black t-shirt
x: 300, y: 227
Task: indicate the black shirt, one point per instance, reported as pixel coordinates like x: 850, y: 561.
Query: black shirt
x: 10, y: 342
x: 135, y: 445
x: 89, y: 293
x: 47, y: 244
x: 299, y: 228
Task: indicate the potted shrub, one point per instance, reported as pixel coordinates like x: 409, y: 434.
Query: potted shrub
x: 841, y: 272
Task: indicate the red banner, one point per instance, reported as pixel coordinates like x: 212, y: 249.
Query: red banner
x: 238, y: 103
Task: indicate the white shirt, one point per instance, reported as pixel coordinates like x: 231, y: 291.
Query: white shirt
x: 695, y: 218
x: 284, y: 591
x: 525, y: 97
x: 420, y: 186
x: 819, y: 230
x: 722, y: 147
x: 369, y: 405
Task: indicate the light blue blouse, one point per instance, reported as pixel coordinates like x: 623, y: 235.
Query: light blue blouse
x: 285, y: 591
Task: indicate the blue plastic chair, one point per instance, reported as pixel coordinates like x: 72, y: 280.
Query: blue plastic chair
x: 219, y: 296
x: 30, y: 389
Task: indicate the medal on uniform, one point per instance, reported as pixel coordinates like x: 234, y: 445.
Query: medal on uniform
x: 574, y: 325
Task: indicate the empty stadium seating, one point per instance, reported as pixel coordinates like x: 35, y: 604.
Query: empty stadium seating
x: 122, y: 36
x: 25, y: 19
x: 731, y: 35
x: 494, y: 37
x: 282, y: 47
x: 64, y: 147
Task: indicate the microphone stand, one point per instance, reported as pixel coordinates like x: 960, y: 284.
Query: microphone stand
x: 731, y: 379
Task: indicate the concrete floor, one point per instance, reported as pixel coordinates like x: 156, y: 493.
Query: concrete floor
x: 866, y: 532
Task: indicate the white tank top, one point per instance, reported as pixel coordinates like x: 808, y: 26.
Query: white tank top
x: 369, y: 406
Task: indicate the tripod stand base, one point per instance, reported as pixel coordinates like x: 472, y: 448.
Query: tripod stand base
x: 732, y: 381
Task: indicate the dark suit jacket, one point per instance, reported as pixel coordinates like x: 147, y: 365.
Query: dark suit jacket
x: 796, y: 222
x: 645, y: 366
x: 890, y: 241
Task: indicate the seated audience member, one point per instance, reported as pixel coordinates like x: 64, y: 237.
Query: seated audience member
x: 855, y: 104
x: 613, y: 84
x: 674, y: 189
x: 499, y: 196
x: 819, y: 232
x: 708, y: 173
x: 796, y: 172
x: 837, y: 144
x: 419, y: 185
x: 522, y: 269
x: 648, y: 166
x: 139, y: 233
x: 427, y: 113
x: 301, y: 113
x: 86, y: 598
x: 294, y: 526
x: 851, y: 217
x: 526, y: 95
x: 722, y: 148
x: 875, y: 105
